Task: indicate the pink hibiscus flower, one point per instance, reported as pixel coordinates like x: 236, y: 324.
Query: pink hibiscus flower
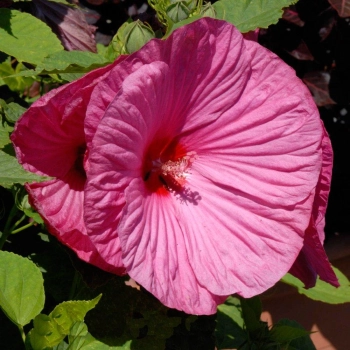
x: 209, y: 169
x: 49, y: 140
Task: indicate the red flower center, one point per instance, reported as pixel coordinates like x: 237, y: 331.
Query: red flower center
x: 80, y: 161
x: 166, y: 166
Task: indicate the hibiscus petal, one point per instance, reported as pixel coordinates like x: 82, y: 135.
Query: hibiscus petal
x: 48, y: 135
x: 312, y: 259
x: 155, y: 253
x: 49, y: 139
x: 268, y: 144
x: 60, y: 203
x: 116, y: 155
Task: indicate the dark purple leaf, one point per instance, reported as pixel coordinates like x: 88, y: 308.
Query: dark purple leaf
x: 326, y: 30
x: 341, y: 6
x: 68, y: 23
x: 302, y: 53
x: 292, y: 17
x: 318, y: 83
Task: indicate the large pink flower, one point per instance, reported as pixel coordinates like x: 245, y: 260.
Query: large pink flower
x: 208, y: 169
x: 49, y: 140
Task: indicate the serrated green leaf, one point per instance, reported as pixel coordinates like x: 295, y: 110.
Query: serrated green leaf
x: 13, y: 111
x: 248, y: 15
x: 4, y: 136
x: 50, y: 330
x: 21, y: 288
x: 71, y: 62
x: 45, y: 333
x: 68, y: 77
x: 11, y: 172
x: 25, y: 37
x: 323, y: 291
x: 70, y: 65
x: 70, y: 312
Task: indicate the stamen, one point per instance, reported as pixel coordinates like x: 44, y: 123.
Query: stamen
x: 175, y: 172
x: 164, y: 176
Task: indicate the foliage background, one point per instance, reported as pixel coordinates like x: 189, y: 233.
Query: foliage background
x: 313, y: 37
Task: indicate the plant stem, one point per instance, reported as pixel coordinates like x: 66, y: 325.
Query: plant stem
x: 23, y: 335
x: 23, y: 227
x: 17, y: 223
x: 7, y: 230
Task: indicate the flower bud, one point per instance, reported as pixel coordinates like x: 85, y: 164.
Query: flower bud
x: 208, y: 10
x: 130, y: 37
x: 178, y: 11
x: 135, y: 35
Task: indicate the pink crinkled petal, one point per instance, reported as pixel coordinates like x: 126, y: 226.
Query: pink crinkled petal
x: 323, y: 186
x: 104, y: 194
x: 155, y: 252
x: 60, y: 203
x: 48, y: 136
x: 49, y: 140
x: 312, y: 259
x: 256, y: 143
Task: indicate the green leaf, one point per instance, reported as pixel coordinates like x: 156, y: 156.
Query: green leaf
x: 50, y: 330
x: 4, y: 135
x: 289, y: 332
x: 21, y: 288
x: 13, y: 111
x: 15, y: 83
x: 230, y: 331
x: 25, y: 37
x: 80, y: 339
x: 71, y: 62
x: 6, y: 70
x: 251, y: 312
x: 69, y: 312
x: 285, y: 334
x: 323, y: 291
x: 11, y: 172
x: 29, y: 211
x: 248, y: 15
x: 45, y: 333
